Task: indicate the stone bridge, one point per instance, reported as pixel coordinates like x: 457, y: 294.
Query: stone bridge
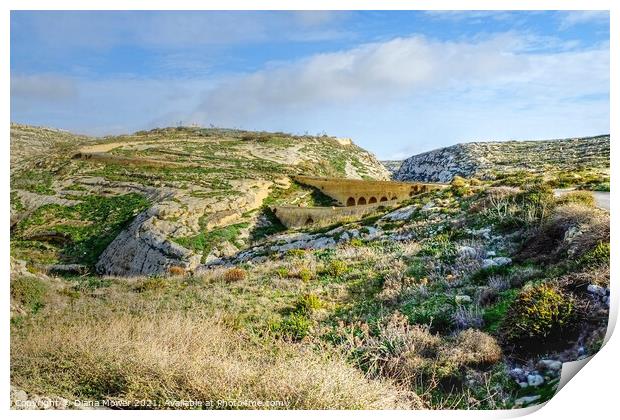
x: 357, y: 198
x: 355, y: 192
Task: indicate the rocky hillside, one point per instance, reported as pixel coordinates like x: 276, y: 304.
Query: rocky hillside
x: 157, y: 200
x: 392, y: 165
x: 570, y: 161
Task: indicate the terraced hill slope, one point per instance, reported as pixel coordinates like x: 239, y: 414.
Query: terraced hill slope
x: 577, y: 161
x: 173, y: 197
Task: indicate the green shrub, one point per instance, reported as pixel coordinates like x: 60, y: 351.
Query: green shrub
x: 293, y: 253
x: 458, y: 182
x: 460, y: 187
x: 308, y: 303
x: 295, y: 326
x: 29, y: 292
x: 305, y: 274
x: 282, y: 272
x: 598, y: 256
x: 601, y: 186
x: 336, y: 268
x: 535, y: 204
x: 439, y: 247
x: 417, y: 269
x: 480, y: 277
x: 356, y: 242
x: 540, y: 318
x: 89, y: 283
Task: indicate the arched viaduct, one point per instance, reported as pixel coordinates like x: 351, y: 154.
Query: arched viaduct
x: 356, y: 199
x: 354, y: 192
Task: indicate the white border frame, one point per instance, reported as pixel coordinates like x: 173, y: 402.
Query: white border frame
x: 591, y: 395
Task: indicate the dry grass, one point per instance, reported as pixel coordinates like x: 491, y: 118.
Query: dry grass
x: 473, y: 347
x: 176, y: 271
x: 572, y: 229
x: 234, y: 275
x: 179, y: 357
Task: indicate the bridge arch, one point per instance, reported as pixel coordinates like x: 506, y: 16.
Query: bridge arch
x: 361, y: 201
x: 372, y: 200
x: 309, y: 221
x: 384, y: 198
x: 350, y: 201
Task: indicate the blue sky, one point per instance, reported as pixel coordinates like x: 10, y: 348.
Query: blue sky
x: 398, y: 83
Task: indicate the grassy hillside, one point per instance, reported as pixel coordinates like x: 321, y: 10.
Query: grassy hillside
x: 470, y: 297
x: 71, y: 196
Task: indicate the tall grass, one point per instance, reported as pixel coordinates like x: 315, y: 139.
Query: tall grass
x: 179, y: 357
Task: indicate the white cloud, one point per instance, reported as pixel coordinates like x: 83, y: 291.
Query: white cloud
x: 506, y: 64
x: 396, y: 98
x: 577, y: 17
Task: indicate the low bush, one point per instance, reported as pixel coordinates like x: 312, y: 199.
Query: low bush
x: 308, y: 303
x: 398, y: 350
x: 459, y: 187
x: 294, y: 326
x: 540, y: 318
x: 435, y: 311
x: 305, y: 274
x: 356, y: 242
x: 295, y: 253
x: 598, y: 256
x: 336, y: 268
x: 176, y: 271
x: 234, y: 275
x: 601, y: 186
x: 465, y: 317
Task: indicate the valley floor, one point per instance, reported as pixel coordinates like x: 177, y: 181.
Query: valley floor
x: 470, y: 298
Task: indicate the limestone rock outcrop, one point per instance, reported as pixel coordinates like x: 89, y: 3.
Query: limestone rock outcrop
x: 485, y: 160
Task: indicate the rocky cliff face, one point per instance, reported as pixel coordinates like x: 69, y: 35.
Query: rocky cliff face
x: 440, y: 165
x: 487, y: 160
x: 168, y: 198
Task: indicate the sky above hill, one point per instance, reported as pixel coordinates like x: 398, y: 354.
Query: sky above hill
x: 398, y: 83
